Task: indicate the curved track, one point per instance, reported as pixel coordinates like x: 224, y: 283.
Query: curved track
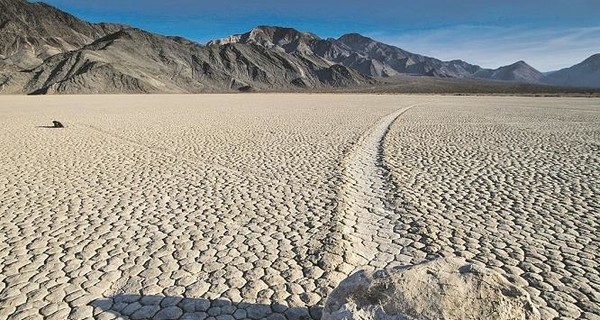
x: 367, y: 199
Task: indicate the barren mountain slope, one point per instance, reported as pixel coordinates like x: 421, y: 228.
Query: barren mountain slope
x: 353, y: 50
x: 516, y: 72
x: 584, y: 74
x: 286, y: 39
x: 44, y: 50
x: 133, y: 60
x: 379, y: 59
x: 32, y: 32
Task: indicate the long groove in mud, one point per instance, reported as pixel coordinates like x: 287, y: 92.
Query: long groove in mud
x: 366, y: 195
x: 332, y: 248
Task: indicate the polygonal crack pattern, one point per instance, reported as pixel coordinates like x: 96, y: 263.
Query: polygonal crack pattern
x: 251, y: 207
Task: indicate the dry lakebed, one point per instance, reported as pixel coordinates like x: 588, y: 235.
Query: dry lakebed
x: 257, y: 205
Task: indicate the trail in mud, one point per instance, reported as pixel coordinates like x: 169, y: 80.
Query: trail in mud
x: 367, y: 201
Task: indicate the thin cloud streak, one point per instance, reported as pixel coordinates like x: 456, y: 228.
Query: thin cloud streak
x: 545, y: 49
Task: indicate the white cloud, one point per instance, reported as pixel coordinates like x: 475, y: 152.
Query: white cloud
x: 545, y: 49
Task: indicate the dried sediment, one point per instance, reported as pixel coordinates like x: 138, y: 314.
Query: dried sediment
x: 508, y: 183
x: 219, y: 205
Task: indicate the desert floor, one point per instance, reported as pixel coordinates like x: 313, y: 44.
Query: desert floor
x: 255, y: 206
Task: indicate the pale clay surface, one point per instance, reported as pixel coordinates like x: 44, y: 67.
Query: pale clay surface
x: 255, y: 206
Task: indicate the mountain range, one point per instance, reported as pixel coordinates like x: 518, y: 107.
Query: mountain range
x: 46, y: 51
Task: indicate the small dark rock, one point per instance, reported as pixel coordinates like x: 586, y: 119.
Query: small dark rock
x: 57, y: 124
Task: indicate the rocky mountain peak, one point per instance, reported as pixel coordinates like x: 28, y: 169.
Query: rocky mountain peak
x: 354, y: 37
x: 519, y: 71
x: 276, y: 33
x: 521, y: 64
x: 273, y: 37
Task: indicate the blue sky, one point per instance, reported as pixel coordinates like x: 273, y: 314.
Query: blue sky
x: 548, y: 34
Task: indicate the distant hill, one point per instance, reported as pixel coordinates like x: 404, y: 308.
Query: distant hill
x: 584, y: 74
x: 516, y: 72
x: 46, y: 51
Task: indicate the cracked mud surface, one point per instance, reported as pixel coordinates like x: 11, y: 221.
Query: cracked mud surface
x: 256, y: 206
x: 512, y: 183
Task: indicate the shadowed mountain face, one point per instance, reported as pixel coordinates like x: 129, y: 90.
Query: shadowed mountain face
x: 32, y: 32
x: 584, y: 74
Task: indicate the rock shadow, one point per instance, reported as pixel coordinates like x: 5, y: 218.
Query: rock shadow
x: 55, y: 125
x: 138, y: 307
